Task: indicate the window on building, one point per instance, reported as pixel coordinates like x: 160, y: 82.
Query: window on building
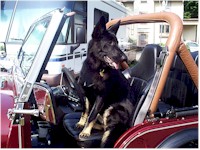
x: 143, y: 39
x: 191, y: 9
x: 164, y: 29
x: 143, y: 12
x: 143, y: 1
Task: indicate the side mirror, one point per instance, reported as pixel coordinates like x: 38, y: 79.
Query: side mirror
x: 80, y: 35
x: 2, y: 50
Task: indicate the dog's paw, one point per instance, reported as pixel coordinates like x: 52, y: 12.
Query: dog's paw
x: 80, y: 125
x: 81, y: 122
x: 84, y: 133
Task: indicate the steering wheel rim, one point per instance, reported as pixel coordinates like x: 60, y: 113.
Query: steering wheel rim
x: 76, y: 86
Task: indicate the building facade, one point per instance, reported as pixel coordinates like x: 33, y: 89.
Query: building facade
x: 158, y: 33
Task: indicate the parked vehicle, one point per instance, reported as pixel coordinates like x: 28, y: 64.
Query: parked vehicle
x: 17, y: 16
x: 192, y: 46
x: 125, y: 46
x: 34, y: 114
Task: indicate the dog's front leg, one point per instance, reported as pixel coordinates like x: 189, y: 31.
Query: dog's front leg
x: 98, y: 105
x: 84, y: 115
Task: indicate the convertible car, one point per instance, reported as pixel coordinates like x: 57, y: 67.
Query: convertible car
x: 165, y: 79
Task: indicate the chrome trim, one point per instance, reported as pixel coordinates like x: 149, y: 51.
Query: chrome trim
x: 20, y: 135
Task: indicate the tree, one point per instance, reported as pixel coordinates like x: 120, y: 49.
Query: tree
x: 190, y: 9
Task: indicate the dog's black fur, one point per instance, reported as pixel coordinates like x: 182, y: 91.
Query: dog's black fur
x: 104, y: 85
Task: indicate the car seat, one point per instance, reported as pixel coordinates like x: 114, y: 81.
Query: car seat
x: 179, y: 90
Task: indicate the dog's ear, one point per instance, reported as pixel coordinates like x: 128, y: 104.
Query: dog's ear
x: 114, y: 28
x: 99, y: 29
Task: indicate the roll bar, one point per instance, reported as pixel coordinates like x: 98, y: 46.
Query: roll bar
x: 173, y: 44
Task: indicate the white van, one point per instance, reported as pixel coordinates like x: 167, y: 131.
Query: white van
x: 17, y: 16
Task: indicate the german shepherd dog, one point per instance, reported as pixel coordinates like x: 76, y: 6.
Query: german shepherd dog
x: 105, y: 86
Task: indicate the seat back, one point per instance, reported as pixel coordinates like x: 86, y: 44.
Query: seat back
x: 146, y: 66
x: 180, y: 90
x: 141, y: 76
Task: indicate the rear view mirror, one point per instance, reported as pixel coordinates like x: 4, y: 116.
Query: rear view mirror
x: 2, y: 50
x: 80, y: 35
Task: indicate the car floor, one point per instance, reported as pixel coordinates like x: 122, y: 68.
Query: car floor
x: 57, y: 137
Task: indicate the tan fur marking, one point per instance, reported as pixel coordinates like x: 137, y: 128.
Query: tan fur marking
x: 82, y: 121
x: 106, y: 114
x: 87, y: 104
x: 105, y: 136
x: 100, y: 118
x: 98, y: 126
x: 87, y: 130
x: 84, y: 115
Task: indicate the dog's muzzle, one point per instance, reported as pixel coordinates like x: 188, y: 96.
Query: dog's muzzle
x: 110, y: 62
x: 124, y: 58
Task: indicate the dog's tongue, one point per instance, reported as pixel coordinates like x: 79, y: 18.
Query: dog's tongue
x: 115, y: 65
x: 111, y: 62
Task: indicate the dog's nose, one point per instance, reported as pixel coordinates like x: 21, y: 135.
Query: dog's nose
x: 124, y: 58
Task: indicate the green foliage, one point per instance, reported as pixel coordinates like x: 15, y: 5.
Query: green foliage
x: 132, y: 63
x: 162, y: 44
x: 187, y: 15
x: 2, y: 47
x: 190, y: 9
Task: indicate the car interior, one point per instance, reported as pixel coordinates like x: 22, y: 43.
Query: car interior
x: 179, y: 97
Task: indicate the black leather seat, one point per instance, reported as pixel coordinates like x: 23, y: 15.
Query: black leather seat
x: 139, y: 75
x: 69, y: 123
x: 179, y: 90
x: 142, y: 73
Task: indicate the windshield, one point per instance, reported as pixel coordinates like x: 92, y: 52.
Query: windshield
x: 28, y: 11
x: 29, y: 49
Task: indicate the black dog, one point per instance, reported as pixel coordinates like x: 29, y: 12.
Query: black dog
x: 105, y: 86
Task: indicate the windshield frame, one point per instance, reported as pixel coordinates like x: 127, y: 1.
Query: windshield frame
x: 44, y: 51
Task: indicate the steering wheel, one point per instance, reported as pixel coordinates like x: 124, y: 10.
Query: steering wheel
x: 73, y: 85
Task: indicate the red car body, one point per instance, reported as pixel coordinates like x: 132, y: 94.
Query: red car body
x: 152, y: 134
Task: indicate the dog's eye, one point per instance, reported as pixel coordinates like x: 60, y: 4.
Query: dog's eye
x: 112, y: 43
